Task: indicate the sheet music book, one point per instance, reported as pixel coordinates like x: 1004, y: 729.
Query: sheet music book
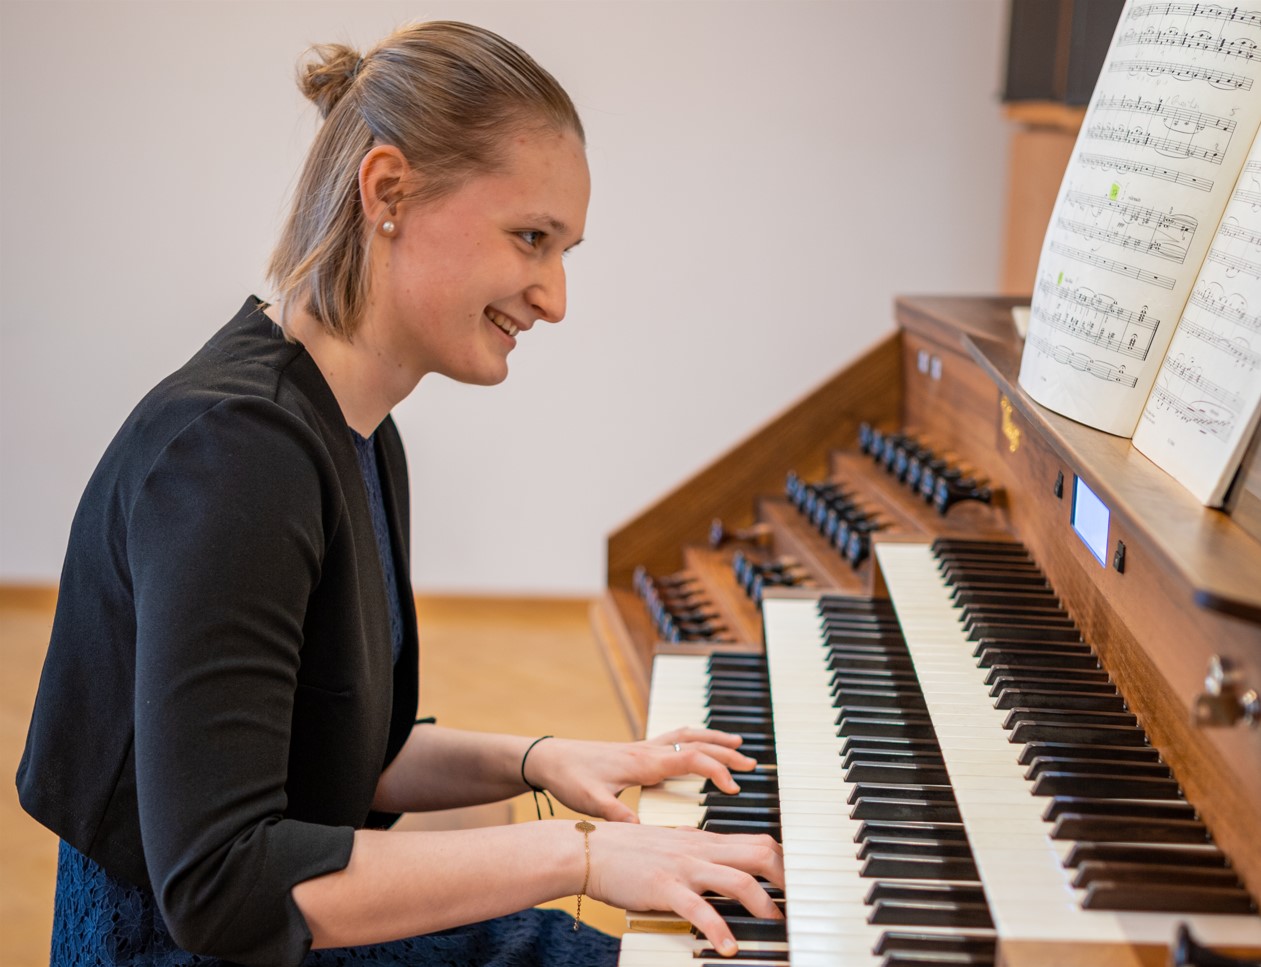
x: 1146, y: 314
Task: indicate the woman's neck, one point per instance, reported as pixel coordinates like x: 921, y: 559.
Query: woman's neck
x: 367, y: 386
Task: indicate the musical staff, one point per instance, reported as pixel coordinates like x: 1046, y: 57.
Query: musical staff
x: 1096, y: 319
x: 1172, y: 147
x: 1192, y: 40
x: 1082, y: 362
x: 1112, y: 265
x: 1222, y: 308
x: 1205, y: 418
x: 1209, y: 11
x: 1241, y: 354
x: 1123, y: 166
x: 1234, y: 264
x: 1168, y: 233
x: 1223, y: 80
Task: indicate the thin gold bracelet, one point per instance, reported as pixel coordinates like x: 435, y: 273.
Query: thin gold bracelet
x: 586, y: 829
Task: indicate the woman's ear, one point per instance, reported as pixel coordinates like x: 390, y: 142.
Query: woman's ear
x: 383, y: 174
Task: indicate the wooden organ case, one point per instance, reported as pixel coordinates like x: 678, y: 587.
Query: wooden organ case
x: 1173, y: 612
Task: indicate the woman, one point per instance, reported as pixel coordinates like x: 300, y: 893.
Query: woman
x: 226, y: 719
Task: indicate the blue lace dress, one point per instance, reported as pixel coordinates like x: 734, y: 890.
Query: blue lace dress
x: 101, y: 921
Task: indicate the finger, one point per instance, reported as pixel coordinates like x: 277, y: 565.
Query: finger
x: 751, y: 895
x: 705, y: 918
x: 696, y: 762
x: 754, y: 854
x: 729, y: 757
x: 715, y: 736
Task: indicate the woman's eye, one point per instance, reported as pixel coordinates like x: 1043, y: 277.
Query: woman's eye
x: 531, y: 238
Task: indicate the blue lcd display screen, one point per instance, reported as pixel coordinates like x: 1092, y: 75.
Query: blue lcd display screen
x: 1090, y: 520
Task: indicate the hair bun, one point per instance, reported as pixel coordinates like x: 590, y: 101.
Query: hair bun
x: 327, y: 74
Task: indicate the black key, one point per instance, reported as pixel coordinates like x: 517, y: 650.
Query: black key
x: 761, y: 782
x: 914, y: 847
x: 1105, y: 829
x: 1182, y: 856
x: 1045, y: 698
x: 910, y: 913
x: 876, y: 712
x: 945, y: 868
x: 1109, y: 767
x: 1081, y: 735
x: 744, y: 799
x: 868, y: 790
x: 742, y: 826
x: 904, y: 756
x: 1167, y: 898
x: 1048, y: 648
x: 911, y: 830
x: 1105, y: 787
x: 757, y: 928
x: 1100, y: 686
x: 1127, y: 753
x: 1099, y: 871
x: 885, y: 726
x: 931, y: 892
x: 897, y: 773
x: 854, y: 742
x: 1015, y: 657
x: 1117, y: 807
x: 999, y: 675
x: 899, y: 810
x: 902, y: 940
x: 1061, y: 719
x: 758, y: 812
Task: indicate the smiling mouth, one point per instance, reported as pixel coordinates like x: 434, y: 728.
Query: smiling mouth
x: 505, y: 324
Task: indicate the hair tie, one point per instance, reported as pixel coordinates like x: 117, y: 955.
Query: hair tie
x: 354, y: 71
x: 533, y: 788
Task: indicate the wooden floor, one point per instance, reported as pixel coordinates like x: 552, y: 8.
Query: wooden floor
x: 523, y: 666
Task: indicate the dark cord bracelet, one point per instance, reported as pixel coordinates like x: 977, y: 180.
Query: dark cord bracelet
x: 531, y: 786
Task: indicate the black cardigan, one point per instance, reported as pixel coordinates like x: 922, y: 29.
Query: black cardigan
x: 218, y: 699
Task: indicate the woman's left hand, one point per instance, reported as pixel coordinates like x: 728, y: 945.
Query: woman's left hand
x: 588, y: 776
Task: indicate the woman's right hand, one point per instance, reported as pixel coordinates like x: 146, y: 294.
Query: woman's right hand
x: 655, y: 868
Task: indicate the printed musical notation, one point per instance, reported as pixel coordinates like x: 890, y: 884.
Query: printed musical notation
x: 1098, y: 319
x: 1168, y: 130
x: 1242, y: 47
x: 1123, y: 167
x: 1162, y: 234
x: 1114, y: 266
x: 1065, y: 356
x: 1201, y: 415
x: 1206, y: 399
x: 1207, y: 11
x: 1213, y: 76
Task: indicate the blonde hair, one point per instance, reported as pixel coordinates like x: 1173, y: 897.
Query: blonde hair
x: 447, y: 95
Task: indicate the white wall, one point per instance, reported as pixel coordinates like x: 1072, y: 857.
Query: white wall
x: 767, y: 177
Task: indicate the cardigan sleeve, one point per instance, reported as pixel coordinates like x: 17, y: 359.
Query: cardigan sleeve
x: 225, y: 543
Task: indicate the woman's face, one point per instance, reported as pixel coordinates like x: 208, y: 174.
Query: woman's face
x: 470, y: 272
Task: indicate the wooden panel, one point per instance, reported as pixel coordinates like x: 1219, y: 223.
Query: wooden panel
x: 629, y: 662
x: 800, y: 438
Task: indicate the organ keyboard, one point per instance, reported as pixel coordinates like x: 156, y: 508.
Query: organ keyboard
x: 1027, y: 765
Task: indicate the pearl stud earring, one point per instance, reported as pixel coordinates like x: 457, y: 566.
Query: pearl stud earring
x: 388, y: 228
